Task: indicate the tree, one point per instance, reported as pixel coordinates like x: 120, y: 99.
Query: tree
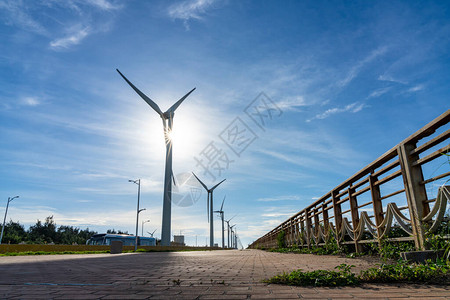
x: 43, y: 233
x: 14, y: 233
x: 47, y: 232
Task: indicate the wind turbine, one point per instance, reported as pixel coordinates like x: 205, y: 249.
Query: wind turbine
x: 151, y: 234
x: 209, y: 207
x: 232, y: 237
x: 167, y: 119
x: 228, y: 229
x: 221, y: 216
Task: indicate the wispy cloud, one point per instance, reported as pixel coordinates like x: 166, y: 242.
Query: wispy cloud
x: 354, y: 71
x: 74, y: 38
x: 104, y: 4
x: 416, y: 88
x: 191, y: 9
x: 379, y: 92
x: 387, y: 77
x: 292, y: 103
x: 17, y: 15
x: 353, y: 108
x: 280, y: 198
x: 30, y: 101
x: 51, y: 18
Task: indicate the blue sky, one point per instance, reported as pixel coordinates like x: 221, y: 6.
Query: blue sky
x: 347, y: 82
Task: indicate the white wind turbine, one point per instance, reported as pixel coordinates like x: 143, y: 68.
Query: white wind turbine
x: 151, y: 233
x: 167, y: 119
x: 228, y: 230
x: 209, y: 207
x: 220, y: 211
x: 232, y: 235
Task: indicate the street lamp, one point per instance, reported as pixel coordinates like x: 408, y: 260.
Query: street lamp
x: 143, y: 222
x: 138, y: 182
x: 4, y: 220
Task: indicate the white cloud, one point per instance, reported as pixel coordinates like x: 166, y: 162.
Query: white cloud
x: 387, y: 77
x: 280, y: 198
x: 18, y: 15
x: 72, y: 39
x: 292, y: 103
x: 416, y: 88
x: 30, y: 101
x: 191, y: 9
x: 104, y: 4
x: 354, y: 71
x: 276, y: 215
x: 353, y: 108
x: 379, y: 92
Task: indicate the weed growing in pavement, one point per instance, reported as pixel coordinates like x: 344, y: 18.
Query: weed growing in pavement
x: 438, y: 273
x: 430, y: 272
x: 176, y: 281
x: 343, y: 276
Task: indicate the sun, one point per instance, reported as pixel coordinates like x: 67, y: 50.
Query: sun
x: 185, y: 136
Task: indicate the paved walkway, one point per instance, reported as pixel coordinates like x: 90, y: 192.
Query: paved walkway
x: 230, y: 274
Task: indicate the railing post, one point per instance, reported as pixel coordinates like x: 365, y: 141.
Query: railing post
x: 308, y: 230
x: 326, y: 222
x: 289, y: 234
x: 316, y: 225
x: 302, y: 230
x: 337, y: 214
x: 416, y: 193
x: 377, y: 205
x: 355, y: 215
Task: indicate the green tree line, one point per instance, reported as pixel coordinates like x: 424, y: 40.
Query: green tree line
x: 45, y: 233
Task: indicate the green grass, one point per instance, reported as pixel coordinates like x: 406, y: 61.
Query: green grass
x: 436, y: 273
x: 50, y: 253
x: 342, y: 277
x: 402, y: 271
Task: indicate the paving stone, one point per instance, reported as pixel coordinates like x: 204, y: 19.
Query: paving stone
x: 227, y: 274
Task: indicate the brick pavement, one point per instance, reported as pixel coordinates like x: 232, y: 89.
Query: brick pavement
x: 229, y: 274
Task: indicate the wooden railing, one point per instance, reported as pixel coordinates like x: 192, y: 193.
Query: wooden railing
x: 357, y: 212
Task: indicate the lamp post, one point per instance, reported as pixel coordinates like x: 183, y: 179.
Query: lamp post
x: 4, y: 220
x: 143, y: 222
x: 138, y: 182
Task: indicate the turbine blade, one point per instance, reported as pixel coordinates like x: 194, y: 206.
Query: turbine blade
x: 221, y: 207
x: 204, y: 185
x: 173, y: 178
x: 217, y: 185
x: 143, y: 96
x: 175, y: 106
x: 232, y: 218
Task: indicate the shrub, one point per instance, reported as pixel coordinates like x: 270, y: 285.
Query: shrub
x: 281, y: 239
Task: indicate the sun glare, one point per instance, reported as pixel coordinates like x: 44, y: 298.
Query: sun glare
x: 185, y: 137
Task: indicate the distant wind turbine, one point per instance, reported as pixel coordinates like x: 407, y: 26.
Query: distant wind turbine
x: 228, y: 230
x: 209, y: 207
x: 151, y: 234
x: 232, y: 236
x: 167, y: 119
x: 220, y: 211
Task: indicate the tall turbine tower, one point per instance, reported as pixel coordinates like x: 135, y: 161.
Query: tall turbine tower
x: 167, y: 119
x: 220, y: 211
x: 228, y: 230
x: 232, y: 236
x: 209, y: 203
